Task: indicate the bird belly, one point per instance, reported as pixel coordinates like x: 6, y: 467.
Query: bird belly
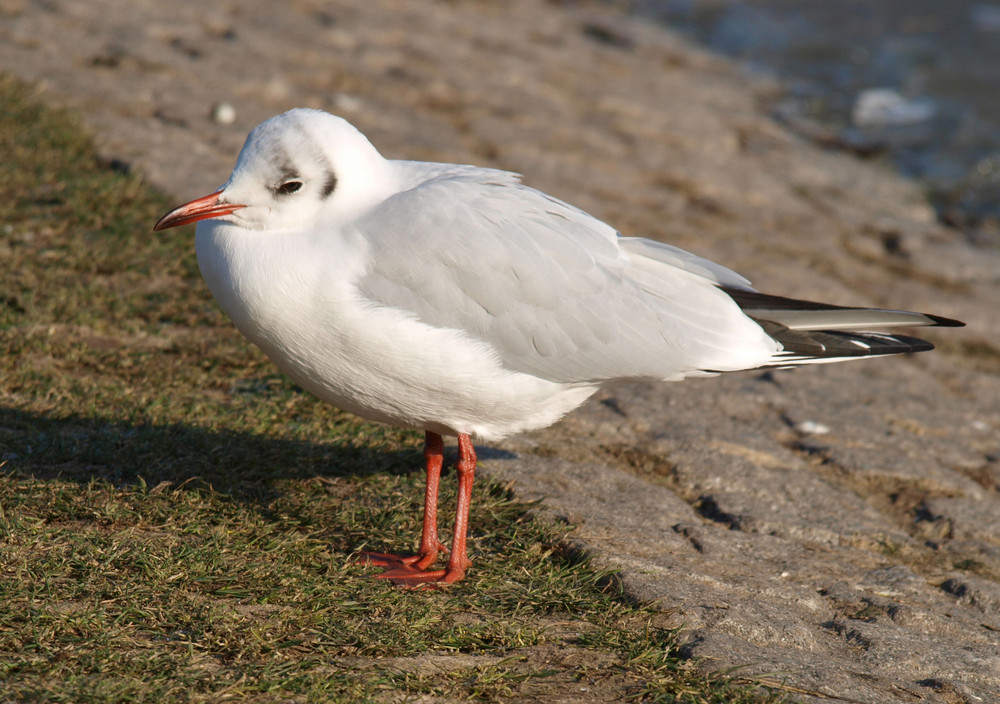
x: 376, y: 361
x: 391, y: 368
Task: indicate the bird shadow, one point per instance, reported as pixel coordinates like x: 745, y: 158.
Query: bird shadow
x: 243, y: 465
x: 238, y: 463
x: 238, y: 466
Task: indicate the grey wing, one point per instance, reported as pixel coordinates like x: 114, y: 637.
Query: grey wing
x: 550, y: 288
x: 643, y: 251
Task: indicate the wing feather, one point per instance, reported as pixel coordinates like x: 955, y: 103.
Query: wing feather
x: 564, y: 297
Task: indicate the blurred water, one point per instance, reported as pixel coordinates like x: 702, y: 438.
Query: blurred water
x: 915, y: 80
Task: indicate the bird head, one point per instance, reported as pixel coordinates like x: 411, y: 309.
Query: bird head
x: 295, y: 170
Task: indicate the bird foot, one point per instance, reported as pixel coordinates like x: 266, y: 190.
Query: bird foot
x: 418, y: 561
x: 411, y: 578
x: 388, y: 560
x: 411, y: 571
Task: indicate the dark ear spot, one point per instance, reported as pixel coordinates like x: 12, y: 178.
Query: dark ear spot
x: 329, y: 185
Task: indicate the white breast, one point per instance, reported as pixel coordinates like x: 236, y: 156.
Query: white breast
x: 381, y: 363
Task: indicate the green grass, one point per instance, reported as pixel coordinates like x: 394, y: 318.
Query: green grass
x: 177, y: 520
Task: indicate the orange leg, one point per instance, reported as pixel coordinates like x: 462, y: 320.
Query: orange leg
x: 415, y: 574
x: 429, y: 543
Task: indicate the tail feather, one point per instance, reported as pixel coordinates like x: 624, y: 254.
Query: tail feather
x: 813, y: 333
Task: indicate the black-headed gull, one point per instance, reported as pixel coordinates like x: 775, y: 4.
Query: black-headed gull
x: 455, y: 300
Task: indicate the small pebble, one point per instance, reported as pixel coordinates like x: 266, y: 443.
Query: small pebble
x: 223, y: 113
x: 811, y: 427
x: 884, y: 107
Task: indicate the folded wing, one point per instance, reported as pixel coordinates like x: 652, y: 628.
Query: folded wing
x: 563, y: 298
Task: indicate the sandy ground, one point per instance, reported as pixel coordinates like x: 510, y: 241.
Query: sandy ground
x: 837, y: 527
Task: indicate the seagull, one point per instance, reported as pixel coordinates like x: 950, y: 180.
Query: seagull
x: 455, y: 300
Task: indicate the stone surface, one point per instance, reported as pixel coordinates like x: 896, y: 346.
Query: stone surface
x: 857, y: 564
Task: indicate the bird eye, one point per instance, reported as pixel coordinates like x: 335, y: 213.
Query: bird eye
x: 289, y: 187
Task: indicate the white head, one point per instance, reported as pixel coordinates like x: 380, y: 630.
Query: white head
x: 292, y: 169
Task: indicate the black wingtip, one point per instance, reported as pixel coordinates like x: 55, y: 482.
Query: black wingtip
x: 754, y: 300
x: 908, y: 345
x: 945, y: 322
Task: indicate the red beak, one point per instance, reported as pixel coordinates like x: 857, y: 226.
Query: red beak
x: 201, y: 209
